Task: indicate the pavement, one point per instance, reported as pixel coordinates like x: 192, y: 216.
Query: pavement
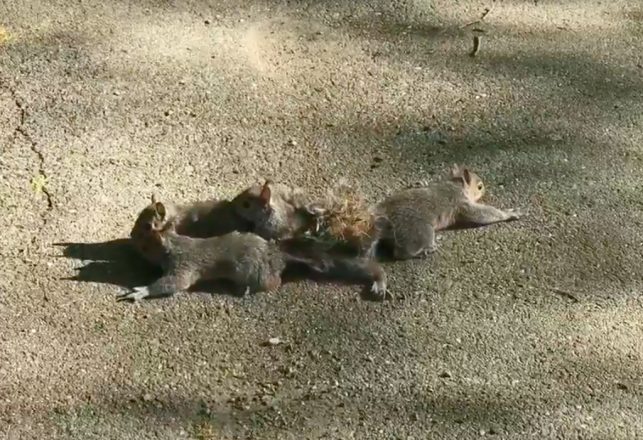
x: 531, y: 329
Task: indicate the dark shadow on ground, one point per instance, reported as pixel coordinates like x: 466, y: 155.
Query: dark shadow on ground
x: 113, y: 250
x: 111, y: 262
x: 255, y: 415
x: 492, y: 408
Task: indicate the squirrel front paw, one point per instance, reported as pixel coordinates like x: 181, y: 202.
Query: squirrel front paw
x: 515, y: 213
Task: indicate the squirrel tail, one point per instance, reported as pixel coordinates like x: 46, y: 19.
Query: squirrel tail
x: 321, y: 259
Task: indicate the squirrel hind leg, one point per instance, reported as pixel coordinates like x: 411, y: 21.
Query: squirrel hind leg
x: 418, y: 243
x: 377, y: 288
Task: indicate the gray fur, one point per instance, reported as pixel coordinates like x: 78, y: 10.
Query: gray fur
x: 411, y: 217
x: 252, y: 263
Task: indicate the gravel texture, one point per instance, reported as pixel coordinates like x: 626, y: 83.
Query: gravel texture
x: 532, y: 329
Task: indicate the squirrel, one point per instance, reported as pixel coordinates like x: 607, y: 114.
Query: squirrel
x: 276, y: 211
x: 251, y: 262
x: 201, y: 219
x: 408, y: 219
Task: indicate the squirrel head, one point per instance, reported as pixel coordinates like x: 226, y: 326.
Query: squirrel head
x: 472, y: 184
x: 254, y: 203
x: 147, y: 233
x: 153, y: 219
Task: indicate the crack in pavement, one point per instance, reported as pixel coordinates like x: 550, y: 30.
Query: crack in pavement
x: 33, y: 146
x: 41, y: 159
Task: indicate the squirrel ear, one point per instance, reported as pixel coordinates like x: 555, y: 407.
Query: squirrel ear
x: 160, y: 209
x: 265, y: 194
x: 455, y: 171
x: 467, y: 176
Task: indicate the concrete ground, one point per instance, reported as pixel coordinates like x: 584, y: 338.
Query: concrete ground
x: 532, y: 329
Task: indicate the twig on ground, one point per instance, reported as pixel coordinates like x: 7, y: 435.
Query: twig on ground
x: 476, y: 46
x: 565, y: 293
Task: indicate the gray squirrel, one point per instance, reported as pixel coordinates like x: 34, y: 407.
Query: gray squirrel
x: 408, y: 220
x: 252, y: 263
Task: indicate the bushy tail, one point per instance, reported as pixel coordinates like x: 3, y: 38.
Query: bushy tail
x: 321, y: 259
x: 346, y: 216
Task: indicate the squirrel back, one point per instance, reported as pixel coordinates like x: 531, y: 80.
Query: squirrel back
x: 244, y: 258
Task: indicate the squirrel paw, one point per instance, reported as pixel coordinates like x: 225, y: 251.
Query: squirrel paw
x: 515, y: 214
x: 136, y: 294
x: 379, y: 290
x: 428, y: 251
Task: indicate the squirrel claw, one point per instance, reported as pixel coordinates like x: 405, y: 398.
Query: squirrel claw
x: 136, y: 294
